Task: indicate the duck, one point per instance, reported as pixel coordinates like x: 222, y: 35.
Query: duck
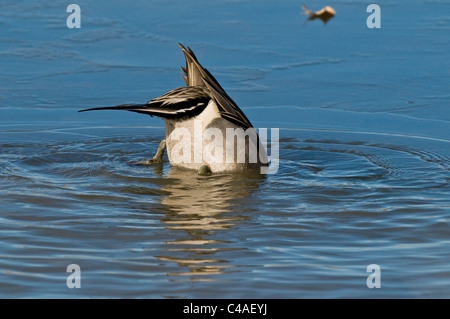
x: 205, y: 130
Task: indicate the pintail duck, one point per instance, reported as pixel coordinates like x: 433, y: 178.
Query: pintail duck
x: 205, y: 129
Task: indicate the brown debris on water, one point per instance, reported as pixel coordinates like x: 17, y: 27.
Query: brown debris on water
x: 323, y: 14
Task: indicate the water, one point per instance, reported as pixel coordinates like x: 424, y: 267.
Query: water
x: 364, y: 152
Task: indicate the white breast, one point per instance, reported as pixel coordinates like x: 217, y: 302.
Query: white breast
x: 207, y: 139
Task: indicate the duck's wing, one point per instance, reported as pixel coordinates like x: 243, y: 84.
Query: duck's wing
x: 186, y: 101
x: 192, y: 72
x: 195, y: 74
x: 306, y: 10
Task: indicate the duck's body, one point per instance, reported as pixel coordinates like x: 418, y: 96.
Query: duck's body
x: 324, y: 14
x: 203, y: 124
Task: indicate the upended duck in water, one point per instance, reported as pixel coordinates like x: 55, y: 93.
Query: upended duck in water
x: 205, y: 129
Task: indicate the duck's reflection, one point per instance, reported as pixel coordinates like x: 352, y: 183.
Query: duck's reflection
x: 200, y: 212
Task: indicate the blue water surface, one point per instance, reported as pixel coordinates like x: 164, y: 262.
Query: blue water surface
x: 363, y: 117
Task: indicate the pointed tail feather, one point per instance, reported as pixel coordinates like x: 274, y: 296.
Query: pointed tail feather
x: 126, y: 107
x: 138, y: 108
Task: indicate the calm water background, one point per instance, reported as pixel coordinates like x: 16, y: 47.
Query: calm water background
x: 364, y: 151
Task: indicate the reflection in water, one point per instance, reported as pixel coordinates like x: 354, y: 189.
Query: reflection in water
x: 199, y: 208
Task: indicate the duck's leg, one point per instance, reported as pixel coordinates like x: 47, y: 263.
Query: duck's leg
x: 158, y: 156
x: 204, y: 170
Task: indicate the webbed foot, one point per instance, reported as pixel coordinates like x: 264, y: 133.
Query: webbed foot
x: 204, y: 170
x: 157, y: 159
